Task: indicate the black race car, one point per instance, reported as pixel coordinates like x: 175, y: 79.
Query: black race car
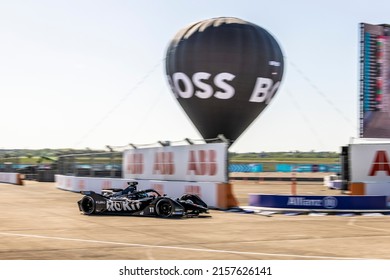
x: 140, y: 203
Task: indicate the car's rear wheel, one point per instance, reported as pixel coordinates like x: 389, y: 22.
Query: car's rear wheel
x: 164, y: 208
x: 87, y: 205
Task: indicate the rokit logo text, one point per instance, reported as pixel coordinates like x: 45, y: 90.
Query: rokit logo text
x: 116, y: 206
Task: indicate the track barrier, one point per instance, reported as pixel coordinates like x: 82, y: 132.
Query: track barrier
x: 11, y: 178
x: 323, y: 203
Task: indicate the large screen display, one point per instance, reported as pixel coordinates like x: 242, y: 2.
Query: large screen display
x: 374, y: 81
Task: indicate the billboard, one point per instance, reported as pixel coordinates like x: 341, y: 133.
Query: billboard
x: 374, y: 81
x: 324, y: 203
x: 205, y: 162
x: 370, y: 163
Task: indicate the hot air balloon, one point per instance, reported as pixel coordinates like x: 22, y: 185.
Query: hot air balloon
x: 223, y: 72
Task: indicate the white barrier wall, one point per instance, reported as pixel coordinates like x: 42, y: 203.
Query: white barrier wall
x: 201, y: 163
x: 11, y: 178
x: 210, y: 192
x: 370, y: 169
x: 370, y: 163
x: 77, y: 184
x: 377, y: 189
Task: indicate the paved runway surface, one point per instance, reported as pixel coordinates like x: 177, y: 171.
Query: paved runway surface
x: 41, y: 222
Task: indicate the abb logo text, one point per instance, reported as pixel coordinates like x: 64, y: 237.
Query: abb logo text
x: 380, y: 163
x: 163, y: 163
x: 202, y: 162
x: 193, y: 189
x: 135, y: 164
x: 158, y: 187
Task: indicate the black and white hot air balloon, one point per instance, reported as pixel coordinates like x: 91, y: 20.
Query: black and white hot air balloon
x: 224, y: 72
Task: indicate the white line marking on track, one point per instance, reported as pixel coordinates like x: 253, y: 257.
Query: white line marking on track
x: 353, y: 221
x: 177, y: 248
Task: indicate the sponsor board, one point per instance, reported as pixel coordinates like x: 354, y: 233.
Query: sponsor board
x: 205, y: 163
x: 370, y: 163
x: 318, y: 202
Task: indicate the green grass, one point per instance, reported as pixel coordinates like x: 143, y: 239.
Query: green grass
x: 267, y: 159
x: 287, y: 160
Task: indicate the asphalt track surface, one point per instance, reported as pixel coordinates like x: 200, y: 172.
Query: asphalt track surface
x: 41, y: 222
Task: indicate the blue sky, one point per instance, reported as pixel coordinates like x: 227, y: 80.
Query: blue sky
x: 87, y: 73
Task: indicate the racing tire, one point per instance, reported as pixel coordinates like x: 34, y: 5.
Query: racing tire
x: 164, y: 208
x: 87, y: 205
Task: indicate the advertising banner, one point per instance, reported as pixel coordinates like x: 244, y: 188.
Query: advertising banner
x: 205, y: 162
x: 318, y: 202
x: 370, y: 163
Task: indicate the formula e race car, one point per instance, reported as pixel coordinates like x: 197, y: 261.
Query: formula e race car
x: 140, y: 203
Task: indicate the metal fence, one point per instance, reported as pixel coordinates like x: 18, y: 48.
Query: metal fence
x: 103, y: 164
x: 109, y: 164
x: 106, y: 164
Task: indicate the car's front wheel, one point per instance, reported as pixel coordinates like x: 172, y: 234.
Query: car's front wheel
x: 87, y: 205
x: 164, y: 208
